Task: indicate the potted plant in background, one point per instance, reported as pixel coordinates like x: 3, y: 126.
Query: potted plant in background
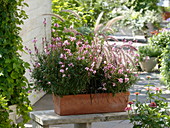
x: 83, y: 71
x: 148, y: 56
x: 162, y: 41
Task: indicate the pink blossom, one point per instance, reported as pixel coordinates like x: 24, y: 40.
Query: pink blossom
x: 66, y: 42
x: 126, y: 79
x: 72, y: 38
x: 66, y: 69
x: 91, y: 69
x: 44, y: 22
x: 136, y: 93
x: 86, y: 68
x: 34, y: 40
x: 136, y: 75
x: 120, y: 80
x: 64, y: 75
x: 58, y: 38
x: 137, y: 55
x: 71, y: 64
x: 104, y: 84
x: 78, y: 58
x: 130, y: 42
x: 128, y: 108
x: 86, y: 51
x: 130, y: 102
x: 113, y: 84
x: 62, y: 66
x: 53, y: 39
x: 94, y: 72
x: 152, y: 104
x: 62, y: 70
x: 61, y: 55
x: 78, y: 43
x: 70, y: 54
x: 60, y: 62
x: 56, y: 25
x: 65, y: 57
x: 92, y: 65
x: 104, y: 89
x: 120, y: 71
x: 83, y: 58
x: 157, y: 89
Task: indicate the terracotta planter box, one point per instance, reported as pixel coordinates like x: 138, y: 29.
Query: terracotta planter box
x: 88, y: 104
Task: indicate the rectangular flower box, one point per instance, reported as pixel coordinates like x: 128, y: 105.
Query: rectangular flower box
x: 90, y: 103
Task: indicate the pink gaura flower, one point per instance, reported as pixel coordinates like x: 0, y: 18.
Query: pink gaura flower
x: 120, y: 71
x: 86, y: 68
x: 61, y: 55
x: 64, y: 75
x: 128, y: 108
x: 104, y: 84
x: 62, y: 70
x: 71, y: 65
x: 120, y: 80
x: 34, y: 40
x: 94, y: 72
x: 152, y: 104
x: 60, y: 62
x: 126, y: 79
x: 58, y: 38
x: 113, y: 84
x: 62, y: 66
x: 72, y: 38
x: 56, y: 25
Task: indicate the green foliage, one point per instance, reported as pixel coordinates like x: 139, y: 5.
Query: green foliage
x: 145, y: 5
x: 12, y: 67
x: 160, y: 40
x: 165, y: 66
x: 148, y: 51
x: 5, y: 122
x: 153, y: 113
x: 87, y: 9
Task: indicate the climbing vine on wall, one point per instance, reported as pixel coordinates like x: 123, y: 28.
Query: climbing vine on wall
x: 13, y: 84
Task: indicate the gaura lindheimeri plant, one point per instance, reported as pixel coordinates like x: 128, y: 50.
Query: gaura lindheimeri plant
x: 71, y: 64
x: 152, y: 113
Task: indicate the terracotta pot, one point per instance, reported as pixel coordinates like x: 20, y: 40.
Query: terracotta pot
x: 148, y: 65
x: 88, y: 104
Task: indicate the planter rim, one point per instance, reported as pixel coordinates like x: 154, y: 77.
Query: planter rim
x: 93, y: 94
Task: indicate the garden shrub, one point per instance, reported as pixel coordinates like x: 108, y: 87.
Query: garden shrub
x: 13, y: 83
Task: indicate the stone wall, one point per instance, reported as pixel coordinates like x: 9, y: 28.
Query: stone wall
x: 34, y: 27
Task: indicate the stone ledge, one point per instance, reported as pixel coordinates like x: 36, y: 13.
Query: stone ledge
x: 48, y: 117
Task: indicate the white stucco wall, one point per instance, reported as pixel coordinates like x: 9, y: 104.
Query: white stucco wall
x: 34, y: 27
